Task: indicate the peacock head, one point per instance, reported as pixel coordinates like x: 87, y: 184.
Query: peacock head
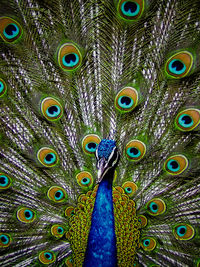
x: 107, y: 156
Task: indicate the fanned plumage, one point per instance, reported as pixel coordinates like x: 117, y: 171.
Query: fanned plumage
x: 73, y: 73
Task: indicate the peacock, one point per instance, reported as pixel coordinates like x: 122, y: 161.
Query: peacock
x: 99, y: 133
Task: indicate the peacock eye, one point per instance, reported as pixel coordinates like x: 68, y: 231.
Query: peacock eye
x: 57, y: 194
x: 187, y: 119
x: 148, y: 244
x: 57, y: 230
x: 10, y: 30
x: 47, y: 157
x: 84, y: 179
x: 183, y: 231
x: 69, y: 262
x: 26, y: 215
x: 173, y: 165
x: 69, y: 57
x: 51, y: 109
x: 90, y: 143
x: 91, y: 147
x: 3, y: 87
x: 143, y: 220
x: 69, y: 211
x: 47, y: 257
x: 130, y: 188
x: 5, y: 181
x: 5, y: 240
x: 179, y: 65
x: 60, y: 230
x: 135, y: 150
x: 130, y: 10
x: 126, y: 100
x: 156, y: 207
x: 176, y: 164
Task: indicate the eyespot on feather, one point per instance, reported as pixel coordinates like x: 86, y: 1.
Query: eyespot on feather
x: 90, y: 143
x: 84, y: 179
x: 130, y: 188
x: 5, y: 181
x: 179, y: 65
x: 10, y: 30
x: 69, y: 57
x: 47, y: 157
x: 69, y: 211
x: 51, y: 109
x: 188, y: 119
x: 47, y: 257
x: 130, y: 10
x: 126, y: 100
x: 57, y: 230
x: 3, y: 87
x: 156, y: 207
x: 57, y: 194
x: 148, y: 243
x: 5, y: 240
x: 143, y: 220
x: 176, y: 164
x: 26, y: 215
x: 183, y: 231
x: 135, y: 150
x: 69, y: 262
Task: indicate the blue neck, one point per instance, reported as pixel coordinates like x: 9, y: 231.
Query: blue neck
x: 101, y: 247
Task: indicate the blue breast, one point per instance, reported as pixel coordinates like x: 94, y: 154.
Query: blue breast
x: 101, y: 249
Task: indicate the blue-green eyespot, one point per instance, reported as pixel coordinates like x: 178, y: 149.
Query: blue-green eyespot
x: 47, y: 257
x: 5, y: 240
x: 90, y: 143
x: 69, y: 57
x: 187, y: 119
x: 126, y: 100
x: 84, y: 179
x: 3, y: 87
x: 179, y: 65
x: 5, y: 181
x: 47, y: 157
x: 183, y: 231
x: 135, y: 150
x: 130, y: 9
x: 130, y: 188
x: 176, y: 164
x: 156, y: 206
x: 148, y: 243
x: 26, y: 215
x: 57, y: 230
x: 51, y: 109
x: 10, y: 30
x: 57, y: 194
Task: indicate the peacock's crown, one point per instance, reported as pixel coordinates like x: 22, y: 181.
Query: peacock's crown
x: 105, y: 148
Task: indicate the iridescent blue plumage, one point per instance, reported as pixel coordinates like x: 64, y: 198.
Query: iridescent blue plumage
x: 105, y: 148
x: 101, y: 248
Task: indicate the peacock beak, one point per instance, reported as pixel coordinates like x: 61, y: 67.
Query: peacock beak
x: 102, y: 167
